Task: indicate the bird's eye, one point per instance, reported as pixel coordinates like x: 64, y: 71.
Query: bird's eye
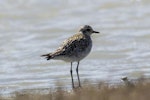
x: 88, y: 29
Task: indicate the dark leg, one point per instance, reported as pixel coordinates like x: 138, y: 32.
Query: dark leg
x: 78, y: 74
x: 71, y: 76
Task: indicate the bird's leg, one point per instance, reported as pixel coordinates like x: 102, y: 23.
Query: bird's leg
x: 78, y: 73
x: 71, y: 76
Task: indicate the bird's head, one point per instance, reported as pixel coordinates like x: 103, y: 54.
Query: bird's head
x: 124, y: 78
x: 86, y: 29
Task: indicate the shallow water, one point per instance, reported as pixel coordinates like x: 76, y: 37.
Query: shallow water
x: 30, y: 28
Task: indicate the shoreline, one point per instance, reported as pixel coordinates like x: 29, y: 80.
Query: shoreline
x: 98, y: 91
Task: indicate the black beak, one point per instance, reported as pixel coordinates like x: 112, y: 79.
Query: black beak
x: 95, y: 32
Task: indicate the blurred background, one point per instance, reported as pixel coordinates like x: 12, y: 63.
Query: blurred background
x: 29, y: 28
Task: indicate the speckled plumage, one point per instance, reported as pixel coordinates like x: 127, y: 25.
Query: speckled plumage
x: 74, y: 48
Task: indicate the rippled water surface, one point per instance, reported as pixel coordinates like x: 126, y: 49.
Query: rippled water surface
x: 29, y: 28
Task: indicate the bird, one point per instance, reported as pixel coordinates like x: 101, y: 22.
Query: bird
x: 127, y: 82
x: 74, y: 49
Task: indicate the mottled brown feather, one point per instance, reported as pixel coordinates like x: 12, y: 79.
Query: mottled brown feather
x: 76, y: 43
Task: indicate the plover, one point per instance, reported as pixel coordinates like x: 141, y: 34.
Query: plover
x: 74, y: 49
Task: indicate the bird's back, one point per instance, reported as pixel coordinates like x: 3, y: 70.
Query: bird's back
x: 74, y: 48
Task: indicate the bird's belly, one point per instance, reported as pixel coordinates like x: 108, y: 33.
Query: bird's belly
x: 77, y: 56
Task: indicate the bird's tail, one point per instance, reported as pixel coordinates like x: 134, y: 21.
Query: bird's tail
x: 47, y: 56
